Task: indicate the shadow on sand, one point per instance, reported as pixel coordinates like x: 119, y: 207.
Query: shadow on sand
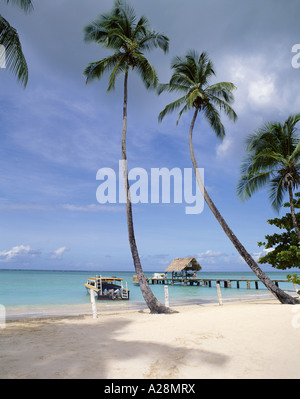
x: 71, y: 349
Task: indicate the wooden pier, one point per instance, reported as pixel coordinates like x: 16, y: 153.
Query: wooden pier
x: 207, y: 282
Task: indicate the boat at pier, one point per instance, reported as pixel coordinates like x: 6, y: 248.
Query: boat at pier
x: 107, y: 288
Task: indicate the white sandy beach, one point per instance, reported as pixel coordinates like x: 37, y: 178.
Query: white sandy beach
x: 238, y: 340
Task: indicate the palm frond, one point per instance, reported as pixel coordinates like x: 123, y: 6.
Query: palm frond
x: 277, y: 191
x: 178, y: 78
x: 153, y: 40
x: 224, y: 106
x: 250, y: 183
x: 171, y: 88
x: 95, y: 70
x: 146, y: 71
x: 222, y: 90
x: 183, y: 110
x: 170, y: 108
x: 127, y: 16
x: 185, y: 67
x: 273, y: 150
x: 119, y: 68
x: 291, y: 122
x: 25, y: 5
x: 296, y: 153
x: 213, y: 117
x: 205, y: 69
x: 14, y: 57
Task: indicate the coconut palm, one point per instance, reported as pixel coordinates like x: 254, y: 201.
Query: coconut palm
x: 190, y: 80
x: 9, y: 39
x: 120, y: 31
x: 273, y: 160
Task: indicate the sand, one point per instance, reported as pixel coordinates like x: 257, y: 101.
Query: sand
x: 237, y: 340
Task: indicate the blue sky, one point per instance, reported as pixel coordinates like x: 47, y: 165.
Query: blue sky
x: 57, y: 133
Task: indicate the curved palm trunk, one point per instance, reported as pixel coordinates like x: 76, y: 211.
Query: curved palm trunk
x: 276, y: 291
x: 153, y: 304
x: 293, y: 211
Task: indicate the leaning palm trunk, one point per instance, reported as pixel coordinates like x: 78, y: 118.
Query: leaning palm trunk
x: 153, y: 304
x: 295, y: 224
x: 276, y: 291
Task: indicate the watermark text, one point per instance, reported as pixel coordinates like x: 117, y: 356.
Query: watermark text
x: 161, y: 186
x: 296, y: 58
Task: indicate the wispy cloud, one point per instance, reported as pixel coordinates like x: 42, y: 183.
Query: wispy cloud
x: 58, y: 254
x: 20, y: 252
x: 12, y: 207
x: 209, y: 254
x: 264, y: 252
x: 92, y: 208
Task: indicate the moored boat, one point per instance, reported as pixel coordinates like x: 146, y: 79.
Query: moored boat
x: 108, y: 288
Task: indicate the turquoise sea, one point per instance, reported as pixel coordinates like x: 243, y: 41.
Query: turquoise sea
x: 29, y: 292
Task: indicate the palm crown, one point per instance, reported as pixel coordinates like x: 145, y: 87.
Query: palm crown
x: 273, y: 159
x: 191, y: 78
x: 120, y: 31
x: 9, y: 38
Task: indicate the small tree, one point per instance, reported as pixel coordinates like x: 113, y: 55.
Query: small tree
x: 284, y: 251
x: 295, y: 280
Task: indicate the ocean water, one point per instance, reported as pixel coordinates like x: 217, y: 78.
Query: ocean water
x: 53, y: 289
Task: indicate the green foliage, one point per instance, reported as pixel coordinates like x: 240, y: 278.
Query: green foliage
x: 190, y: 79
x: 294, y: 279
x: 285, y: 253
x: 272, y: 160
x: 25, y: 5
x: 9, y: 38
x: 14, y: 57
x: 128, y: 38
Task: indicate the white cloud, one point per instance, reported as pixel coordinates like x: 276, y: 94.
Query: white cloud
x: 17, y: 253
x: 209, y: 256
x: 260, y: 96
x: 225, y: 147
x: 256, y: 255
x: 59, y: 253
x: 264, y: 252
x: 262, y: 91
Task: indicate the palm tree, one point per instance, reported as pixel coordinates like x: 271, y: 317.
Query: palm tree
x: 9, y: 38
x: 273, y: 160
x: 191, y: 80
x: 120, y: 31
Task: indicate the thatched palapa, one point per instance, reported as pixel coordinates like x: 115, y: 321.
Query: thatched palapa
x: 180, y: 264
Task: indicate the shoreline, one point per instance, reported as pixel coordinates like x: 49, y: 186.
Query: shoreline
x: 249, y: 339
x: 66, y: 310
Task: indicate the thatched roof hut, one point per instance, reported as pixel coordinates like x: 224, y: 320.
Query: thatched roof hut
x: 180, y: 264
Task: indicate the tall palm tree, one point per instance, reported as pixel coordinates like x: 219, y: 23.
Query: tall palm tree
x: 191, y: 80
x: 120, y: 31
x: 9, y: 38
x: 273, y: 159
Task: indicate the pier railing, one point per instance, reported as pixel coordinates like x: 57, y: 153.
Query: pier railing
x: 208, y: 282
